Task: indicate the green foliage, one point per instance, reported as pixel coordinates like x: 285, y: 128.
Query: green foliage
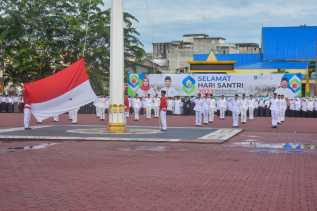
x: 40, y: 37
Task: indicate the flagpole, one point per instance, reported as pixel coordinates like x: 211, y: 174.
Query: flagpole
x: 117, y: 119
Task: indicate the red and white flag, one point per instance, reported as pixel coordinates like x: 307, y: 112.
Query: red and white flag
x: 67, y: 90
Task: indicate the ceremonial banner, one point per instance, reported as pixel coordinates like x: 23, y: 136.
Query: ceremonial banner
x: 289, y: 85
x: 64, y: 91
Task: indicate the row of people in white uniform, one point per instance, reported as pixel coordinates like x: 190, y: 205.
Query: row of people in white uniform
x: 303, y: 104
x: 205, y: 108
x: 278, y: 106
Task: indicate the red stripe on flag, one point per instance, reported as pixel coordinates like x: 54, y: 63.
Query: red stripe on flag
x: 56, y: 85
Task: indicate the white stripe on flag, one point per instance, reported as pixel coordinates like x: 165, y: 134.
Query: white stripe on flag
x: 71, y: 100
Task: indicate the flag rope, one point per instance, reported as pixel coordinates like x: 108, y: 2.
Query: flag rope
x: 86, y: 28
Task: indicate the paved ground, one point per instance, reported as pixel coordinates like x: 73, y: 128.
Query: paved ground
x: 250, y: 172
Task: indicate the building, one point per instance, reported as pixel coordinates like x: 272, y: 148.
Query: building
x: 284, y: 49
x: 172, y: 57
x: 248, y: 47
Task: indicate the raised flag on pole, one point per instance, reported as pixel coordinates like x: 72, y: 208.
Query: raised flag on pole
x: 64, y: 91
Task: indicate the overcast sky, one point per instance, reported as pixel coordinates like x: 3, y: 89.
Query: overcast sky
x: 235, y: 20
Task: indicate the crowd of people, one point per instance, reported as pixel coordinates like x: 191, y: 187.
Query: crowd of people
x: 260, y: 106
x: 204, y: 107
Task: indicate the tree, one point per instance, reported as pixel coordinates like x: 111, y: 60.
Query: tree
x: 38, y: 38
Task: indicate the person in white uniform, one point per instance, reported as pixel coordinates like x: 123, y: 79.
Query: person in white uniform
x: 163, y: 110
x: 244, y: 108
x: 100, y: 105
x: 56, y: 118
x: 283, y: 107
x: 274, y: 106
x: 74, y: 115
x: 298, y: 106
x: 235, y: 107
x: 304, y: 107
x: 205, y: 109
x: 222, y: 105
x: 252, y: 104
x: 27, y: 116
x: 136, y: 104
x: 142, y: 109
x: 148, y: 106
x: 212, y: 108
x: 198, y: 108
x: 279, y: 104
x: 107, y: 101
x: 170, y: 105
x: 156, y: 106
x: 178, y: 106
x: 315, y: 107
x: 292, y: 106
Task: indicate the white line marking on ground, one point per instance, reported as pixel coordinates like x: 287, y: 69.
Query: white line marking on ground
x: 22, y: 128
x: 90, y: 138
x: 221, y: 134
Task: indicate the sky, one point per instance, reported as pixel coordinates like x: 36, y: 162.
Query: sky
x: 235, y: 20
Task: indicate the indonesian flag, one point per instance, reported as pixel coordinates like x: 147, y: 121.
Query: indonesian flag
x: 67, y: 90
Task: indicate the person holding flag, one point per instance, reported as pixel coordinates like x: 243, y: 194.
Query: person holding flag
x: 64, y: 91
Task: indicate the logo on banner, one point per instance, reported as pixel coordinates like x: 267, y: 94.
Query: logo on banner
x: 189, y: 85
x: 295, y: 84
x: 133, y: 80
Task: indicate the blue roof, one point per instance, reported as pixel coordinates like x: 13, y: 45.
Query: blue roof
x: 275, y: 65
x: 289, y: 43
x: 240, y: 59
x: 253, y: 61
x: 200, y: 57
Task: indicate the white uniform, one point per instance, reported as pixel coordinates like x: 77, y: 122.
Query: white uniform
x: 56, y: 118
x: 310, y: 105
x: 252, y: 104
x: 198, y: 108
x: 100, y: 105
x: 107, y: 103
x: 163, y: 121
x: 212, y: 109
x: 244, y: 104
x: 170, y: 105
x: 315, y: 104
x: 178, y: 106
x: 298, y: 104
x: 283, y: 109
x: 148, y: 107
x: 143, y: 105
x: 235, y: 107
x: 274, y: 106
x: 136, y: 104
x: 156, y: 106
x: 292, y: 105
x: 205, y: 109
x: 27, y: 116
x: 222, y: 105
x: 74, y: 115
x: 304, y: 105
